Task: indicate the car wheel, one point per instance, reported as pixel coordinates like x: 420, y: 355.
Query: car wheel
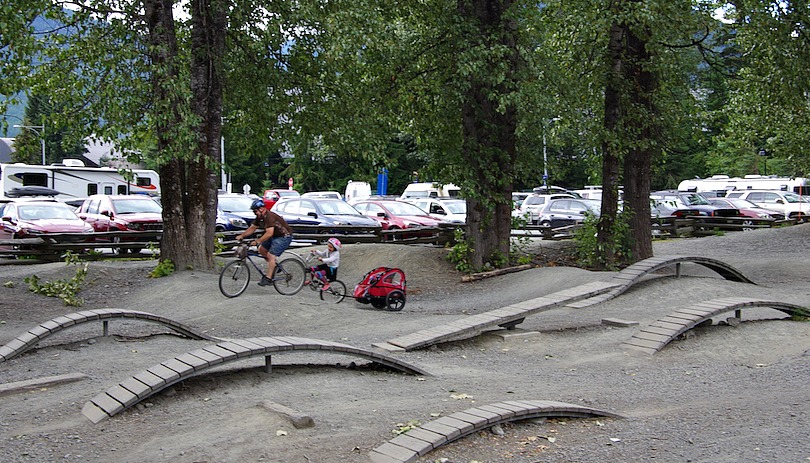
x: 747, y: 225
x: 545, y: 223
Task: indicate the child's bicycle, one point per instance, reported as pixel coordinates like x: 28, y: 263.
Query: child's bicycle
x: 336, y: 291
x: 235, y: 277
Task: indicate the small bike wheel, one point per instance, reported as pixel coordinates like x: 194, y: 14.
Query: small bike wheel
x: 289, y: 277
x: 234, y: 278
x: 336, y: 292
x: 395, y: 301
x: 377, y: 302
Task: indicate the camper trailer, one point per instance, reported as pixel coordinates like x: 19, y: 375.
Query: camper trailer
x: 430, y: 190
x: 720, y: 184
x: 73, y: 180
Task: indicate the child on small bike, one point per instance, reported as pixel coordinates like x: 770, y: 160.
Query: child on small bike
x: 330, y: 261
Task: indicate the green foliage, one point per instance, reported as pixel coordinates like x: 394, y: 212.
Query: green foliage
x: 460, y: 253
x: 402, y: 428
x: 164, y: 268
x: 590, y: 254
x: 66, y: 290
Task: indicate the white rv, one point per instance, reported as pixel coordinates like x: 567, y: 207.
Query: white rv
x: 724, y: 183
x: 430, y: 190
x: 71, y: 181
x: 356, y: 191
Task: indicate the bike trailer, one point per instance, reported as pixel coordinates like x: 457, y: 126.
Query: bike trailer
x: 382, y: 287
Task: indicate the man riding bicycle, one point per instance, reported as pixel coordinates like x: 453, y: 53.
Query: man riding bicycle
x: 275, y: 240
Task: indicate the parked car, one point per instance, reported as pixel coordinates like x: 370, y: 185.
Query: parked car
x: 530, y: 208
x: 229, y: 222
x: 446, y: 209
x: 790, y: 204
x: 271, y: 197
x: 107, y: 213
x: 234, y: 206
x: 554, y: 190
x: 747, y: 208
x: 32, y: 218
x: 321, y: 211
x: 660, y: 209
x: 692, y: 200
x: 398, y: 215
x: 567, y: 211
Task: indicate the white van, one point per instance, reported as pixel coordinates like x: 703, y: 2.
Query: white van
x: 355, y: 191
x: 430, y: 190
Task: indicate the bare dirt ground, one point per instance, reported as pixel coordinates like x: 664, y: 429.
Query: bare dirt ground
x: 725, y: 394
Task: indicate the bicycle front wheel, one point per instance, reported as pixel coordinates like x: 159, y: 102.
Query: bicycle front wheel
x: 234, y: 278
x: 289, y: 277
x: 336, y: 292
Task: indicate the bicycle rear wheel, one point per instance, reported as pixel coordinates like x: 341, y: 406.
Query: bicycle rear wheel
x: 336, y: 292
x: 234, y: 278
x: 289, y: 277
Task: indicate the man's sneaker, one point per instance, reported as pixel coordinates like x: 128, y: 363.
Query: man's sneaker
x: 265, y: 281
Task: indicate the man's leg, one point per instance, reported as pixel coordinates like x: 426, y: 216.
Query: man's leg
x: 271, y: 264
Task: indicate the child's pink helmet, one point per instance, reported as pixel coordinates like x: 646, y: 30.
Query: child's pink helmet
x: 334, y: 242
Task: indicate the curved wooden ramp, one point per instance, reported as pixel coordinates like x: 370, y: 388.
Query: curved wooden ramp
x: 36, y: 334
x: 409, y: 446
x: 653, y: 338
x: 158, y: 377
x: 636, y: 272
x: 507, y: 317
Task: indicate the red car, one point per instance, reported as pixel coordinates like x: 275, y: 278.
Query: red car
x: 271, y: 197
x: 122, y: 213
x: 31, y: 218
x: 398, y: 215
x: 747, y: 208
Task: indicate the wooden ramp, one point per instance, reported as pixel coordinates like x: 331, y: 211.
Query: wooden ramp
x: 636, y: 272
x: 409, y: 446
x: 508, y: 316
x: 33, y: 336
x: 653, y: 338
x: 158, y: 377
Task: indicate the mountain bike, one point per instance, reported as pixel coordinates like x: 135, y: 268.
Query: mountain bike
x: 336, y: 291
x: 288, y: 279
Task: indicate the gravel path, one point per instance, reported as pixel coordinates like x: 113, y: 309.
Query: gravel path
x: 723, y: 394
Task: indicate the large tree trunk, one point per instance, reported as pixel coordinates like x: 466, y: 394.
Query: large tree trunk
x: 489, y: 127
x: 629, y: 124
x: 611, y: 151
x: 637, y: 171
x: 188, y: 184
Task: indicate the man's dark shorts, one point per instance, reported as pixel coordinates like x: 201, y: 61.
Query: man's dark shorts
x: 277, y: 245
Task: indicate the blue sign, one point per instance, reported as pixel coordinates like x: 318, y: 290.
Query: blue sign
x: 382, y: 182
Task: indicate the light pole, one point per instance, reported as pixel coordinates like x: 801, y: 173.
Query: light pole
x: 764, y: 155
x: 545, y: 154
x: 41, y: 135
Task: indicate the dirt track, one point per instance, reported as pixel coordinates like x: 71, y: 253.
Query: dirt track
x: 724, y: 394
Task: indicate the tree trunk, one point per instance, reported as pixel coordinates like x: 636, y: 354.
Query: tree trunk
x: 630, y: 128
x: 188, y: 184
x: 488, y: 128
x: 637, y: 171
x: 611, y: 151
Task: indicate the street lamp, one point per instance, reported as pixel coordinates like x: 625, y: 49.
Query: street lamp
x: 545, y: 155
x: 41, y: 135
x: 764, y: 155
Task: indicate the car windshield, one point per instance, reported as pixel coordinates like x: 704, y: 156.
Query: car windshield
x: 134, y: 206
x: 235, y: 203
x: 456, y: 207
x: 742, y: 203
x: 398, y: 208
x: 794, y: 198
x: 45, y: 211
x: 337, y: 207
x: 695, y: 199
